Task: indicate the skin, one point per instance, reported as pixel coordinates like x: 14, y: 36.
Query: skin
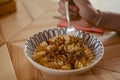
x: 84, y: 14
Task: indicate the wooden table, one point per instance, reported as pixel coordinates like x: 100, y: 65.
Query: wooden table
x: 33, y: 16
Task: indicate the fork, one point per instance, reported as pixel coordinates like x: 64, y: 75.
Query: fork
x: 70, y: 29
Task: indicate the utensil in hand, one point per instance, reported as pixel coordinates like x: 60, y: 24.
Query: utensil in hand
x: 70, y: 29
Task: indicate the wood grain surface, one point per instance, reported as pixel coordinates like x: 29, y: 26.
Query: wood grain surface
x: 33, y: 16
x: 6, y: 67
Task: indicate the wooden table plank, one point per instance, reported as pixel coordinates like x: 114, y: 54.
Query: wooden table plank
x: 111, y: 51
x: 37, y: 8
x: 2, y: 40
x: 13, y: 23
x: 23, y: 69
x: 27, y: 34
x: 116, y: 75
x: 48, y: 5
x: 6, y: 67
x: 23, y: 16
x: 35, y: 27
x: 85, y: 76
x: 110, y: 38
x: 102, y: 74
x: 47, y: 76
x: 112, y: 64
x: 33, y: 8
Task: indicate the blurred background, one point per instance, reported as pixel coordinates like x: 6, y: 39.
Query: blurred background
x: 107, y: 5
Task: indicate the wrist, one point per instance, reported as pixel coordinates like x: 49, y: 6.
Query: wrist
x: 95, y: 18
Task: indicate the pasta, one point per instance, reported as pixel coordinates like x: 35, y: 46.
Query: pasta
x: 63, y: 53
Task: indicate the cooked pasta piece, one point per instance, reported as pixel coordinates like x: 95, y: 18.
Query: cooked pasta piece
x: 54, y: 65
x: 66, y: 67
x: 63, y: 53
x: 43, y: 60
x: 78, y: 64
x: 39, y: 55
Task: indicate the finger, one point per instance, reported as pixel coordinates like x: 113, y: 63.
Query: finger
x: 73, y: 8
x: 78, y: 3
x: 85, y: 23
x: 82, y: 3
x: 82, y: 23
x: 61, y: 4
x: 63, y: 12
x: 76, y: 17
x: 72, y: 13
x: 72, y: 16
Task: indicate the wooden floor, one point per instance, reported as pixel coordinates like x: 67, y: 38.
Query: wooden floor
x: 33, y: 16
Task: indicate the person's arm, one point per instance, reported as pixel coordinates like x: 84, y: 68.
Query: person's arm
x: 110, y: 21
x: 90, y: 15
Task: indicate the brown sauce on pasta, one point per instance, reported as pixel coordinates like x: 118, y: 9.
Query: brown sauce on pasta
x: 63, y: 53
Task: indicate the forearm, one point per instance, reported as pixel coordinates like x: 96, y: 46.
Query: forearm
x: 110, y: 21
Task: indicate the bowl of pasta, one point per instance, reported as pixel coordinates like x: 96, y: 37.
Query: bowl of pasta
x: 53, y: 51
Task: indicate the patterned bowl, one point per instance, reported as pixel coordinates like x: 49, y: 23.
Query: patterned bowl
x: 92, y: 42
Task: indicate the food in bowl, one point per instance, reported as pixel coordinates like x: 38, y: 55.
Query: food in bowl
x: 63, y: 53
x: 90, y: 41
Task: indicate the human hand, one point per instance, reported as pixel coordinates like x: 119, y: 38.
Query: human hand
x: 86, y: 11
x: 73, y: 10
x: 82, y: 8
